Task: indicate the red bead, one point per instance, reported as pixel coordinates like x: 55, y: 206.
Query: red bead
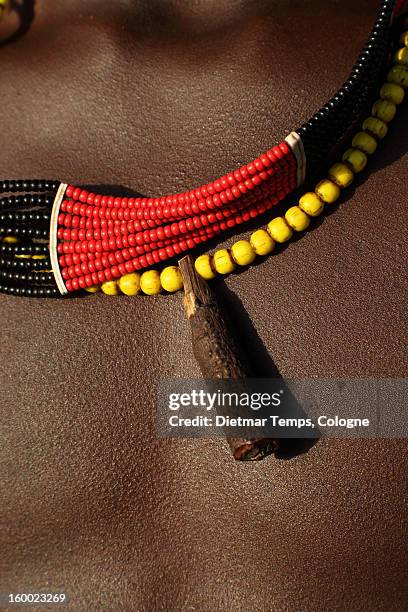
x: 76, y: 193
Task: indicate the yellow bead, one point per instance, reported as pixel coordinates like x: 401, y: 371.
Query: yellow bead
x: 129, y: 284
x: 399, y: 75
x: 392, y: 92
x: 93, y: 289
x: 364, y: 142
x: 4, y: 6
x: 242, y: 253
x: 150, y: 282
x: 341, y: 175
x: 203, y: 267
x: 385, y: 110
x: 39, y: 257
x: 280, y: 230
x: 171, y: 279
x: 311, y: 204
x: 327, y: 191
x: 375, y: 126
x: 11, y: 240
x: 356, y: 159
x: 297, y: 219
x: 401, y: 56
x: 261, y: 242
x: 110, y: 288
x: 404, y: 39
x: 223, y: 262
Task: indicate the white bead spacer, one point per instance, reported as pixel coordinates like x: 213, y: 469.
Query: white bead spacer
x: 295, y: 143
x: 54, y: 238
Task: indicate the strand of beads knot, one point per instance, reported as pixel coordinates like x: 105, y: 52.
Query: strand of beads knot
x: 297, y: 218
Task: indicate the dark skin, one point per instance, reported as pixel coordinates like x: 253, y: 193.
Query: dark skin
x: 156, y: 97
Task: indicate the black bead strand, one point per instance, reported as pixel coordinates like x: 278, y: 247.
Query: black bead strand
x: 28, y: 291
x: 37, y: 278
x: 28, y: 185
x: 24, y: 249
x: 24, y: 264
x: 27, y: 201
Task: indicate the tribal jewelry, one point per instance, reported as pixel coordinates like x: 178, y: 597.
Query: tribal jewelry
x: 58, y: 238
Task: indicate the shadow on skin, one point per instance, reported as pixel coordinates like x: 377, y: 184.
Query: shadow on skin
x: 251, y: 345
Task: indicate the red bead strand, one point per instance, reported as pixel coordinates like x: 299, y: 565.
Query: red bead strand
x: 101, y: 237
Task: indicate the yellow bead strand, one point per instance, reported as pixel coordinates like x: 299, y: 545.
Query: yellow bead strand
x: 171, y: 279
x: 279, y: 230
x: 223, y: 262
x: 262, y: 242
x: 399, y: 75
x: 327, y: 191
x: 297, y: 219
x: 129, y: 284
x: 392, y: 93
x: 401, y: 56
x: 204, y: 268
x: 376, y: 127
x: 150, y: 282
x: 356, y: 159
x: 341, y: 174
x: 384, y: 110
x: 311, y: 204
x: 366, y: 143
x: 110, y: 288
x: 10, y: 240
x: 242, y: 253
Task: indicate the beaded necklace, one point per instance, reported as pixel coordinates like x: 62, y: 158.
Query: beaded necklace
x: 58, y: 238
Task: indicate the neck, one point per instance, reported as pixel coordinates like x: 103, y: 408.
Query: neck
x: 177, y: 108
x: 210, y: 17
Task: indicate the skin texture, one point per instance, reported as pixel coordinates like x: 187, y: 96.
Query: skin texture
x: 155, y: 97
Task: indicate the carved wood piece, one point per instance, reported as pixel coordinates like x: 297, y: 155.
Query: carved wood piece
x: 216, y: 350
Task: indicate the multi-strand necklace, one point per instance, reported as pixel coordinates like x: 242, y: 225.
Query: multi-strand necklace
x: 58, y: 238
